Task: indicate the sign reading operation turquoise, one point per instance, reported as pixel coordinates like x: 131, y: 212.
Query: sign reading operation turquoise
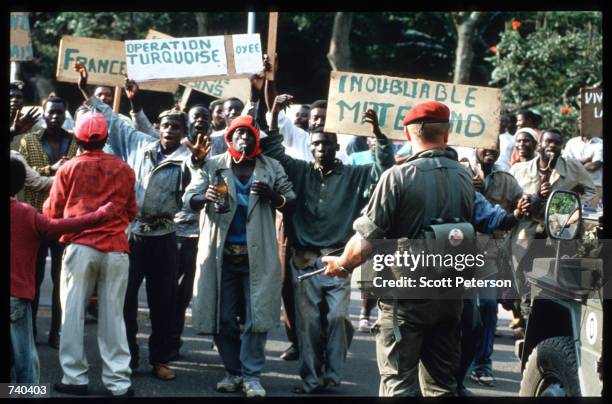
x: 191, y: 58
x: 474, y: 119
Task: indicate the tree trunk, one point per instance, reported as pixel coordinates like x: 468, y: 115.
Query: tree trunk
x: 339, y: 54
x: 202, y: 21
x: 466, y: 30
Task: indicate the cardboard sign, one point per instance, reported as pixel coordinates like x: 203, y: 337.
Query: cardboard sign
x: 591, y: 112
x: 104, y: 60
x: 475, y: 111
x: 239, y: 88
x: 21, y: 41
x: 210, y: 57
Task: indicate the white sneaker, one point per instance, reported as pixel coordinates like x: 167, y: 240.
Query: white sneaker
x: 229, y: 384
x: 252, y: 388
x: 364, y: 325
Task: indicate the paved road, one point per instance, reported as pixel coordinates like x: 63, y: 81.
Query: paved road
x: 200, y: 367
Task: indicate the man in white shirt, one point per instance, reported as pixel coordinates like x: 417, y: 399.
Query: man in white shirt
x: 589, y: 152
x: 297, y: 140
x: 506, y: 141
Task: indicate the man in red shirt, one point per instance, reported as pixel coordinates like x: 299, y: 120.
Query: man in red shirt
x: 95, y: 256
x: 28, y: 229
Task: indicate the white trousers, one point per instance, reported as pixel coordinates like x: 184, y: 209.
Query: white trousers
x: 83, y: 268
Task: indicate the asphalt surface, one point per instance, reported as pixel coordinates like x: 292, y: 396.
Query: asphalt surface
x: 200, y: 367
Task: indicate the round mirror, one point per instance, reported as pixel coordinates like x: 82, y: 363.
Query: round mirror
x: 563, y: 215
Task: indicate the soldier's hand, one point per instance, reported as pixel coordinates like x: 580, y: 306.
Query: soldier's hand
x: 332, y: 267
x: 477, y: 181
x: 371, y: 118
x: 212, y: 195
x: 201, y: 148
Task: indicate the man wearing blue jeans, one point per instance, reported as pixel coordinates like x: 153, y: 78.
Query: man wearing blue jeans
x: 238, y: 267
x: 482, y: 368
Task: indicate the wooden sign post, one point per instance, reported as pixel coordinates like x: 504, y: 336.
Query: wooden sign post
x: 475, y: 111
x: 117, y: 99
x: 271, y: 49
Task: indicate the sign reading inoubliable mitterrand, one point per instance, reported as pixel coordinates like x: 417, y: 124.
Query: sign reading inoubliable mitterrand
x: 474, y: 119
x: 226, y: 56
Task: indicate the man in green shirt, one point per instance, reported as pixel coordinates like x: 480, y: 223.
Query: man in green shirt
x: 330, y: 196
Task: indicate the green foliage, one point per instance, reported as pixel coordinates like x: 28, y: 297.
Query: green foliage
x: 543, y: 63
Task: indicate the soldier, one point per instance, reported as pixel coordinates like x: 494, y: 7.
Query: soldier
x: 418, y: 337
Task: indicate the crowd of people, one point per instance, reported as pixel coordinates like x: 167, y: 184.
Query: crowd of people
x: 223, y: 206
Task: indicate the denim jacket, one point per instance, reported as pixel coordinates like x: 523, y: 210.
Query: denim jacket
x: 159, y: 185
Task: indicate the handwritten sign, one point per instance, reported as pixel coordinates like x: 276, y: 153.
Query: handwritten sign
x: 239, y: 88
x: 104, y: 60
x: 21, y: 41
x: 591, y: 112
x: 222, y: 88
x: 474, y: 119
x: 192, y: 58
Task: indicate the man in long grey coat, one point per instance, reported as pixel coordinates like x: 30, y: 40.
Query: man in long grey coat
x: 237, y: 256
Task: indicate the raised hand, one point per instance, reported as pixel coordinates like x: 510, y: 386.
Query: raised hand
x: 281, y: 102
x: 131, y: 88
x: 22, y: 124
x: 371, y: 118
x: 83, y: 75
x: 201, y: 148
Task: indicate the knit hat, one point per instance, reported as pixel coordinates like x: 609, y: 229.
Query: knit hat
x: 248, y: 122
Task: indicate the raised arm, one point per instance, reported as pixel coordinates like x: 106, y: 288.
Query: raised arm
x: 383, y: 157
x: 141, y: 122
x: 272, y: 146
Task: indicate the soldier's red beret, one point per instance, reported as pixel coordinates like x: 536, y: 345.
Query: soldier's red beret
x: 429, y: 111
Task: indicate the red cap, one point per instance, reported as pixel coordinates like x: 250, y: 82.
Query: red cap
x: 91, y: 127
x: 429, y: 111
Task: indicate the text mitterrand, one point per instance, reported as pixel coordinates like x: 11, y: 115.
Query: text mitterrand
x: 411, y: 262
x: 450, y: 282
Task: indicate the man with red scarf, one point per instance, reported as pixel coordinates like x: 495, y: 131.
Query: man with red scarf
x: 238, y: 272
